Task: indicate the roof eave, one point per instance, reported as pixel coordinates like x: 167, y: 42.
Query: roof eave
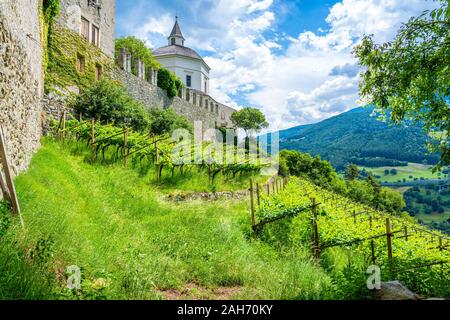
x: 182, y: 56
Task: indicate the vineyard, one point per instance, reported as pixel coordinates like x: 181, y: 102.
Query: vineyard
x: 109, y: 143
x: 401, y: 247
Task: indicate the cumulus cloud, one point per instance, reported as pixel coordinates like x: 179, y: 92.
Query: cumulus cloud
x: 311, y: 78
x: 348, y: 69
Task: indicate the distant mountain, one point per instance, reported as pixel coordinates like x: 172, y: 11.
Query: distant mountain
x: 357, y: 137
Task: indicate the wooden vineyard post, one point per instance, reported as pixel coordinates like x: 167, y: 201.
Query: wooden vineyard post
x: 4, y: 188
x: 157, y: 161
x: 274, y: 190
x: 63, y: 124
x: 389, y: 238
x: 441, y: 247
x: 372, y: 247
x: 8, y: 177
x: 258, y: 194
x: 406, y: 233
x: 92, y: 140
x: 125, y: 151
x: 252, y: 204
x: 354, y: 216
x: 316, y: 248
x: 372, y: 242
x: 268, y: 188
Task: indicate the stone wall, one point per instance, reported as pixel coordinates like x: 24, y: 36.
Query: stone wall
x: 192, y: 104
x: 21, y: 80
x: 102, y: 16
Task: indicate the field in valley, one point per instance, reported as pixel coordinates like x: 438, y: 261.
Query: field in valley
x: 410, y: 172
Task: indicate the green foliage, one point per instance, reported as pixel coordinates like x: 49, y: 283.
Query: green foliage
x: 5, y: 220
x: 283, y: 168
x: 359, y: 138
x: 51, y: 10
x: 20, y: 279
x: 108, y: 101
x: 250, y: 120
x: 322, y: 173
x: 138, y: 50
x: 166, y: 121
x: 408, y: 78
x: 64, y: 49
x: 169, y: 82
x: 43, y: 251
x: 303, y: 164
x: 47, y: 14
x: 352, y: 172
x: 338, y: 226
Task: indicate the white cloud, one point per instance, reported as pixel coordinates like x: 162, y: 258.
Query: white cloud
x: 316, y: 77
x: 313, y: 78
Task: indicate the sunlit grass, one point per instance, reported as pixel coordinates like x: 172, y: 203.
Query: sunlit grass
x: 116, y: 225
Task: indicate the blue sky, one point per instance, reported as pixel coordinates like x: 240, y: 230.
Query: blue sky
x: 291, y: 59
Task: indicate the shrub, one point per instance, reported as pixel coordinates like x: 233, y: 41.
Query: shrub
x: 166, y: 121
x: 169, y: 82
x: 107, y: 101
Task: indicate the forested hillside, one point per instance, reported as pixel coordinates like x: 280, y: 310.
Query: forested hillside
x: 357, y: 137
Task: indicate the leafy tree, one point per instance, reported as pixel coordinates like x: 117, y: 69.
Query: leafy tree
x: 386, y: 172
x: 390, y: 200
x: 373, y: 183
x: 166, y: 121
x: 408, y: 78
x: 138, y: 50
x: 250, y: 120
x: 394, y: 172
x: 108, y: 101
x: 352, y: 172
x: 283, y: 169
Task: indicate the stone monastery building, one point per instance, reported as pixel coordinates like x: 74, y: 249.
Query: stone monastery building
x: 95, y: 21
x: 34, y: 89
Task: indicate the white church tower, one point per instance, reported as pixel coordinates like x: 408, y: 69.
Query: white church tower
x: 184, y: 62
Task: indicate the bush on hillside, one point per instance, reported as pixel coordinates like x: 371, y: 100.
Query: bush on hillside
x: 322, y: 173
x: 166, y: 121
x: 109, y: 102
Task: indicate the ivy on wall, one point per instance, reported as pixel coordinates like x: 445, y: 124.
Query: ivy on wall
x: 138, y: 50
x: 169, y: 82
x: 48, y: 11
x: 74, y: 62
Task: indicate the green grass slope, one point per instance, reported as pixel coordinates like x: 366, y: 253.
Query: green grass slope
x: 131, y: 243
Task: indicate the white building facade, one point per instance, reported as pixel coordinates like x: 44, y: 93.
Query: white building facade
x: 184, y: 62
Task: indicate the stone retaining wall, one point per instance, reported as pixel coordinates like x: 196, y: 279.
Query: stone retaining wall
x: 21, y: 80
